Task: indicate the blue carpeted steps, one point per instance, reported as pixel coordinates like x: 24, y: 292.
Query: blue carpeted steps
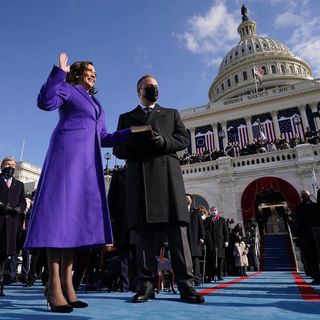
x: 276, y: 255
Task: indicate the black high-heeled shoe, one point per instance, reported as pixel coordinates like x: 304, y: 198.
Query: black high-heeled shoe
x: 77, y: 304
x: 65, y: 308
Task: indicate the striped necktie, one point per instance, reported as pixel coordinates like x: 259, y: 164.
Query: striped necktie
x: 147, y: 110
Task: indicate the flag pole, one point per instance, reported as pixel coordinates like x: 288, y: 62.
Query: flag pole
x: 22, y: 149
x: 255, y: 79
x: 314, y: 184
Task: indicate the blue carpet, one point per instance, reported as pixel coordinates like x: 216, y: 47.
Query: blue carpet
x: 276, y: 254
x: 266, y: 295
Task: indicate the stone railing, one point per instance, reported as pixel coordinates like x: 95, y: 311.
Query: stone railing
x: 201, y: 168
x: 301, y: 154
x: 286, y: 156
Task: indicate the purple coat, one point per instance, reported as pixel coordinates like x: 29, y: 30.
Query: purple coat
x: 70, y: 208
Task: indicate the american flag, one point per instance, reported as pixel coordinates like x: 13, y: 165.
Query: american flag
x: 288, y: 128
x: 243, y: 135
x: 204, y: 140
x: 264, y: 130
x: 258, y: 72
x: 237, y: 132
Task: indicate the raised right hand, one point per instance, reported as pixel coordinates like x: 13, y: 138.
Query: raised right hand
x: 63, y: 62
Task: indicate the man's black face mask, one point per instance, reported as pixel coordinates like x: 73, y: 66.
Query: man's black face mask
x: 7, y: 172
x: 151, y: 93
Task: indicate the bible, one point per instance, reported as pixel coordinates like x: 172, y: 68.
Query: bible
x: 143, y: 132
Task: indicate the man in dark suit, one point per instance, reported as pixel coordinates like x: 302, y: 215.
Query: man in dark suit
x: 196, y: 238
x: 12, y: 206
x: 307, y: 218
x: 217, y: 241
x: 155, y: 196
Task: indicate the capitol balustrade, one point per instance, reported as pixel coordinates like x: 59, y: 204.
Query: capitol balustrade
x: 303, y: 154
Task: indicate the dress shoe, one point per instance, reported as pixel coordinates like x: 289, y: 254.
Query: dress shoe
x: 191, y: 295
x: 13, y: 280
x: 29, y: 283
x: 145, y: 293
x: 197, y: 283
x: 315, y: 282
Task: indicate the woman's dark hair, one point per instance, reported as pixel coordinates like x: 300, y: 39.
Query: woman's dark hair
x: 76, y: 69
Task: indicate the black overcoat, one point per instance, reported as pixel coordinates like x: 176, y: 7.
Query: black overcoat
x: 155, y: 189
x: 216, y: 235
x: 195, y: 233
x: 12, y: 197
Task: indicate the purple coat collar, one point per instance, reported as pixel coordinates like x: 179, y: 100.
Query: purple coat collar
x: 96, y: 104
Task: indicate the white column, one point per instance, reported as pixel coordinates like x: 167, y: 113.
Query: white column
x: 193, y: 140
x: 274, y: 115
x: 314, y: 109
x: 215, y: 135
x: 304, y: 118
x: 224, y: 129
x: 249, y: 128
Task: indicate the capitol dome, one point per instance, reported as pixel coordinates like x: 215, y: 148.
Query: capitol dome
x: 236, y: 78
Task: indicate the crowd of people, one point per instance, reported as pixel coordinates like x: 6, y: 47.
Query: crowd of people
x: 259, y: 145
x: 211, y: 258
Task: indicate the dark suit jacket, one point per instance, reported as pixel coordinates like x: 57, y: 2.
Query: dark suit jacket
x: 155, y: 187
x: 217, y: 235
x: 195, y: 233
x: 9, y: 220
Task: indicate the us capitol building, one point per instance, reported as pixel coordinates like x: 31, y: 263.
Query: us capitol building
x: 262, y: 91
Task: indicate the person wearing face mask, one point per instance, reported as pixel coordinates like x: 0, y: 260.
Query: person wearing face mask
x: 217, y: 240
x: 307, y: 217
x: 12, y: 205
x: 155, y: 195
x: 70, y: 208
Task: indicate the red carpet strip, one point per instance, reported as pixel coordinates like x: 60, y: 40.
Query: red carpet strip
x: 227, y: 284
x: 306, y: 291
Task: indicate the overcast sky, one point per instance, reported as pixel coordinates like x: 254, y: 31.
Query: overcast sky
x: 180, y: 42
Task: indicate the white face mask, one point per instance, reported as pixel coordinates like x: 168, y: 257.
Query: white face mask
x: 203, y: 217
x: 214, y: 212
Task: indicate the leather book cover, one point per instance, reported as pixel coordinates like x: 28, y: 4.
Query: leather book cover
x: 143, y: 132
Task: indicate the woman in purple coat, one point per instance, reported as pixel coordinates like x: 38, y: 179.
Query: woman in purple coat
x: 70, y: 209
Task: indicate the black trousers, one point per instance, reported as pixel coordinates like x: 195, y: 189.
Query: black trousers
x: 196, y: 268
x: 179, y: 252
